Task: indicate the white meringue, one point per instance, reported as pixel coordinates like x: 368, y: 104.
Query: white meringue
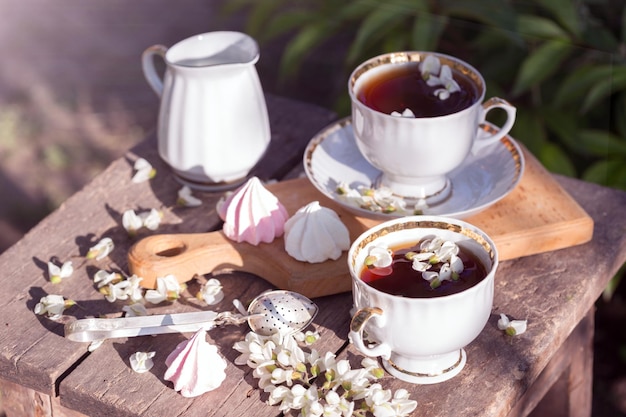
x: 195, y: 366
x: 316, y: 234
x: 252, y: 214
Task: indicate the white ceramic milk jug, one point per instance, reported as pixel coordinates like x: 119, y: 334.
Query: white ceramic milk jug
x: 213, y: 125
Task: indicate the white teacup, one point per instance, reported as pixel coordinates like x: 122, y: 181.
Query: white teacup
x: 414, y: 154
x: 421, y: 340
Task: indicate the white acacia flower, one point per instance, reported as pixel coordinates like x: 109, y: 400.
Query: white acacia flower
x: 53, y: 306
x: 436, y: 74
x: 168, y: 288
x: 141, y: 361
x: 186, y: 198
x: 211, y: 292
x: 400, y: 405
x: 318, y: 385
x: 101, y: 250
x: 408, y: 113
x: 512, y: 327
x: 151, y: 219
x: 135, y: 310
x: 131, y: 222
x: 420, y: 260
x: 379, y: 256
x: 143, y: 171
x: 103, y: 278
x: 135, y: 292
x: 57, y: 273
x: 429, y: 66
x: 308, y: 338
x: 117, y: 291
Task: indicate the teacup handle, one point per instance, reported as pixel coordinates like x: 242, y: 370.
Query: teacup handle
x: 359, y: 320
x: 149, y: 70
x: 485, y: 140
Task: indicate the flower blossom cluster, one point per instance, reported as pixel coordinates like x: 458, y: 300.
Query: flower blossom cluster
x: 436, y: 74
x: 315, y: 384
x: 378, y: 200
x: 433, y: 251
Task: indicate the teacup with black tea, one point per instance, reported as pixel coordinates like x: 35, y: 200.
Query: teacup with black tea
x: 416, y: 116
x: 420, y: 328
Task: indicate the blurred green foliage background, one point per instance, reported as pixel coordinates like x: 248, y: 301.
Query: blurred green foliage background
x: 562, y: 63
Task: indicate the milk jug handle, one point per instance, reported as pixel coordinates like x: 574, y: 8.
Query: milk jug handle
x: 149, y: 70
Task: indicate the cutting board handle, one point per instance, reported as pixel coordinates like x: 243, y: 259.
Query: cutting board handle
x: 191, y: 254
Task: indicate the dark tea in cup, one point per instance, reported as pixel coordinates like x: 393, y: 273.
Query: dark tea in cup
x: 401, y: 279
x: 402, y: 86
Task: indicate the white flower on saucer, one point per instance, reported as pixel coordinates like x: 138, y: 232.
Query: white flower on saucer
x: 143, y: 171
x: 141, y: 361
x: 512, y: 327
x: 57, y: 273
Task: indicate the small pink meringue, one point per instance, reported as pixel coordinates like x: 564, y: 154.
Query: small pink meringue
x: 252, y: 214
x: 195, y: 366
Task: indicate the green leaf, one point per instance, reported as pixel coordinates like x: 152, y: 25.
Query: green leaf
x: 530, y: 130
x: 288, y: 21
x: 426, y: 31
x: 373, y: 28
x: 540, y: 27
x: 501, y: 15
x: 607, y: 172
x: 565, y: 12
x: 565, y: 125
x: 260, y: 15
x: 573, y: 88
x: 540, y: 65
x: 605, y: 88
x: 619, y: 110
x: 306, y: 39
x: 555, y: 160
x: 602, y: 143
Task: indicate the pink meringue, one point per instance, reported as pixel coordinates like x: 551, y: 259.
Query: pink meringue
x: 195, y: 366
x: 252, y: 214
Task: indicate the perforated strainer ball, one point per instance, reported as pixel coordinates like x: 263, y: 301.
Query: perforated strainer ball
x: 283, y: 312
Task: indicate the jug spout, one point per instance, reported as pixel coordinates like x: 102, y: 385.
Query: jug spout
x: 222, y: 48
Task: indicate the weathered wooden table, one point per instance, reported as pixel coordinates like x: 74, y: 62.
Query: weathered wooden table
x: 44, y: 374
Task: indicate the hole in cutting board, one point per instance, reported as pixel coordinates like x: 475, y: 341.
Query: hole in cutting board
x: 170, y: 249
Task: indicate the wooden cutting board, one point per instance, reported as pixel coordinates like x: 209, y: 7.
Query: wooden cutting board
x: 537, y: 216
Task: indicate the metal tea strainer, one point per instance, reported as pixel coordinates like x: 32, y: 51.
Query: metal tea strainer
x: 271, y: 312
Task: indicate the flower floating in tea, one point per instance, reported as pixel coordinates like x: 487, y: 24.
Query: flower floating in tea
x: 436, y: 74
x: 406, y: 113
x: 439, y: 254
x: 431, y: 267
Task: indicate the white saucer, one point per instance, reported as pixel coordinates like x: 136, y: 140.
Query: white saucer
x: 332, y: 159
